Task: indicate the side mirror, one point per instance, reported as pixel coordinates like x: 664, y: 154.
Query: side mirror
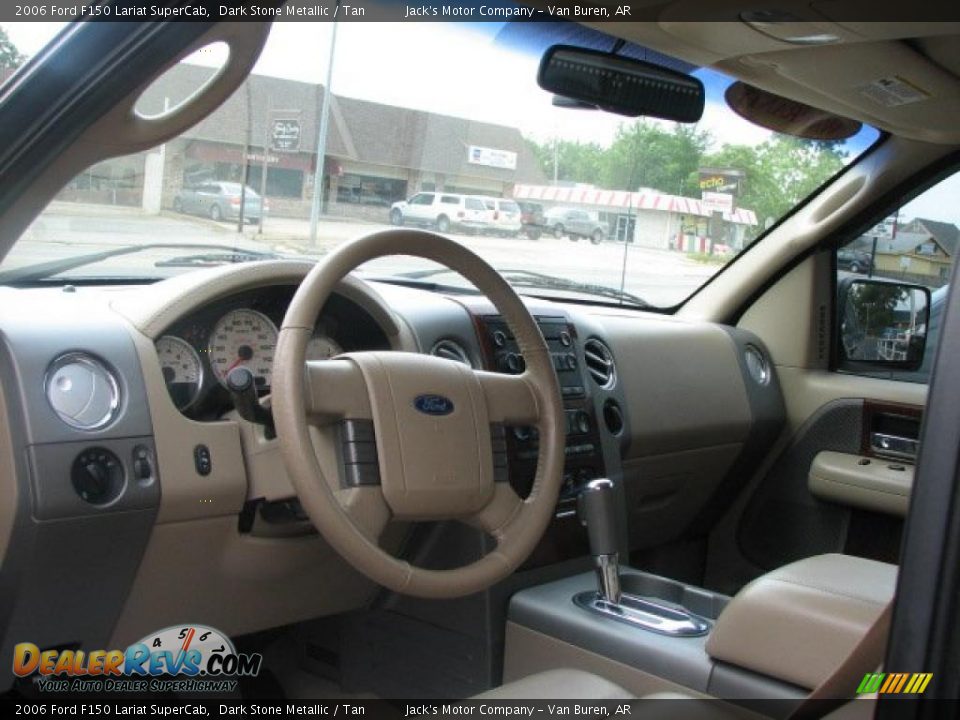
x: 883, y: 323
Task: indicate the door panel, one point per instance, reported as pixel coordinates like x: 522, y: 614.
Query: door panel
x: 778, y: 519
x: 785, y: 521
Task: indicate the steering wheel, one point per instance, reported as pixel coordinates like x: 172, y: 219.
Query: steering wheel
x: 432, y: 421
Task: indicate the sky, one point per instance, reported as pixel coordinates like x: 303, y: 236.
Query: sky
x: 468, y: 71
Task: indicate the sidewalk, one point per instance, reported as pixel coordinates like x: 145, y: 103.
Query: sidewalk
x: 290, y: 235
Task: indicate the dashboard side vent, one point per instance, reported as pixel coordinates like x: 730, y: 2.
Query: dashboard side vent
x: 450, y: 350
x: 600, y: 363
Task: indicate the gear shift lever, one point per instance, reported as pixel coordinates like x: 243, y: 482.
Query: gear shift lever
x: 597, y: 511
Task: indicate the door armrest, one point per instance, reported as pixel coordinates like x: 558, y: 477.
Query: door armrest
x: 855, y: 480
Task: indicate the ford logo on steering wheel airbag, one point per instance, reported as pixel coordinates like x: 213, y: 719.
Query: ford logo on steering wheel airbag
x: 433, y: 404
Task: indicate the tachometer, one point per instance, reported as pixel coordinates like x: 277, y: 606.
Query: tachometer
x: 322, y: 347
x: 243, y: 338
x: 182, y: 370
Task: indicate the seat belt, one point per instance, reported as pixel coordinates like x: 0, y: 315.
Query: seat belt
x: 838, y: 688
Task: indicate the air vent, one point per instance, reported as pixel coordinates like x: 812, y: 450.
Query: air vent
x: 83, y: 391
x: 600, y: 363
x: 757, y: 365
x: 449, y: 350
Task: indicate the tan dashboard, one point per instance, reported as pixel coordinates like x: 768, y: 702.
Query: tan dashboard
x: 668, y: 409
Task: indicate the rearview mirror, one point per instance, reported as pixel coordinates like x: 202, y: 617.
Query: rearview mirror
x: 884, y: 323
x: 590, y: 78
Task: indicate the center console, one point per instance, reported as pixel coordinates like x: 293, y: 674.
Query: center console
x: 584, y: 456
x: 782, y: 635
x: 590, y: 447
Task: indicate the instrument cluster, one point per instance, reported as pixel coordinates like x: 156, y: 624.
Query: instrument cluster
x: 197, y: 353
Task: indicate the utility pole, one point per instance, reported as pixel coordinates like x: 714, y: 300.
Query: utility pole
x: 626, y: 246
x: 246, y: 163
x: 556, y: 160
x: 263, y: 169
x: 322, y: 137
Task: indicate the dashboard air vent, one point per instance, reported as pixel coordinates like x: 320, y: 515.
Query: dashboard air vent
x: 600, y: 363
x: 449, y: 350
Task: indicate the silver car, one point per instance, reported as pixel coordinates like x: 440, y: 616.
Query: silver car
x: 575, y: 224
x: 220, y: 201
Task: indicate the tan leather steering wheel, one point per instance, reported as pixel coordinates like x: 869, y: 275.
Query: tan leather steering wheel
x: 432, y: 422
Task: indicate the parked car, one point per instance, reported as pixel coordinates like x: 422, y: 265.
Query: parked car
x: 576, y: 224
x: 504, y: 217
x: 220, y: 201
x: 443, y: 211
x: 856, y: 261
x: 531, y: 218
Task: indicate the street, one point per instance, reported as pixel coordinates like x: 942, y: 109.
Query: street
x: 661, y: 277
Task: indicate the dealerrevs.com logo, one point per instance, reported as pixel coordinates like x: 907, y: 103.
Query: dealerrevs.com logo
x: 184, y: 658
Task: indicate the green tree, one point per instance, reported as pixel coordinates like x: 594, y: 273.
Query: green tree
x: 576, y: 161
x: 874, y: 305
x: 778, y: 173
x: 644, y: 154
x: 10, y: 57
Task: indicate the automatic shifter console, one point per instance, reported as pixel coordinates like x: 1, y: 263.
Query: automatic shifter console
x: 596, y: 507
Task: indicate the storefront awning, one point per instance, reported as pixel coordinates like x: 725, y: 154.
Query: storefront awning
x: 622, y: 200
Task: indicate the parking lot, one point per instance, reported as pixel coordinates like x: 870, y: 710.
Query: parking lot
x: 65, y: 229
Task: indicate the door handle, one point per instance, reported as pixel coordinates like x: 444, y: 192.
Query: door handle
x: 894, y: 446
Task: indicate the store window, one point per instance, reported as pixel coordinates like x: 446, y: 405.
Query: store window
x: 370, y: 190
x: 281, y: 182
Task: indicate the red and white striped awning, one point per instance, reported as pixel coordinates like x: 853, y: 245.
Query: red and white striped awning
x: 619, y: 199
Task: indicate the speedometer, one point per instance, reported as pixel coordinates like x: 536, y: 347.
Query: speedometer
x: 181, y: 368
x: 244, y: 338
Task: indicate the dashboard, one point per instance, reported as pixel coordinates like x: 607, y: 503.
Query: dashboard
x: 198, y: 351
x: 191, y: 495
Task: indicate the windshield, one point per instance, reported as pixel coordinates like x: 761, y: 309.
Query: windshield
x: 633, y: 211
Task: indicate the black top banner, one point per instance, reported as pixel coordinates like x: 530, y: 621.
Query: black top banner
x: 466, y: 11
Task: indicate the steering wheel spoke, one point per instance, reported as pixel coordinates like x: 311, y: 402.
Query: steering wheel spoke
x: 367, y: 509
x: 334, y: 389
x: 511, y: 399
x: 503, y: 507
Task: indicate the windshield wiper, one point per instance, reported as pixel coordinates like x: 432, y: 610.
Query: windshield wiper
x: 534, y: 280
x: 41, y: 271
